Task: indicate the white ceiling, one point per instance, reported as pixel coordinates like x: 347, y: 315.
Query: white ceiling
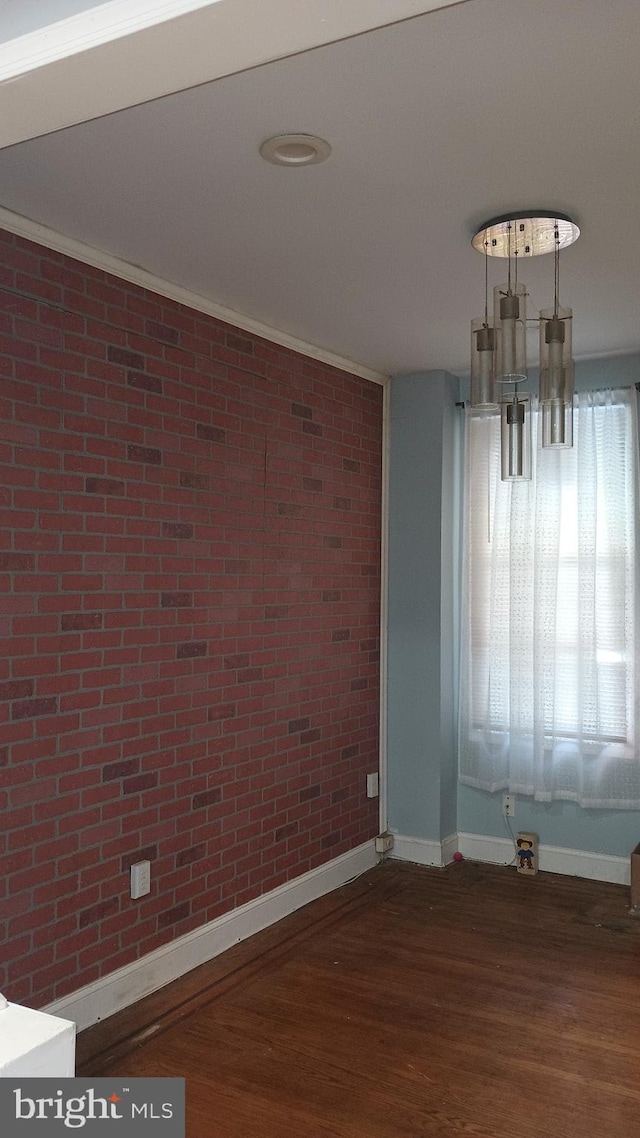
x: 436, y: 124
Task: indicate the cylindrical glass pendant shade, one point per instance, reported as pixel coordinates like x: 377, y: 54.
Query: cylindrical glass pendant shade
x: 556, y: 377
x: 557, y: 423
x: 510, y: 321
x: 483, y: 379
x: 515, y: 438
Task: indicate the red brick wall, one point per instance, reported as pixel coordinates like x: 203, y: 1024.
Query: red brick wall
x: 189, y: 566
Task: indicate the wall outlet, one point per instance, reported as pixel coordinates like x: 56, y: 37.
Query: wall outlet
x: 372, y: 785
x: 140, y: 879
x: 509, y: 805
x: 384, y: 842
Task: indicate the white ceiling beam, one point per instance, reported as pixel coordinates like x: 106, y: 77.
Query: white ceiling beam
x: 127, y: 52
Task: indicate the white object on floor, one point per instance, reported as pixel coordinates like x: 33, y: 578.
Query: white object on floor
x: 34, y: 1044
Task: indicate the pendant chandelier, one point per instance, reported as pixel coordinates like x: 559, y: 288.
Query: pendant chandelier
x: 499, y: 346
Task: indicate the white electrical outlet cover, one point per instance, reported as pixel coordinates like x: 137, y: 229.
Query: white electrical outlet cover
x: 140, y: 879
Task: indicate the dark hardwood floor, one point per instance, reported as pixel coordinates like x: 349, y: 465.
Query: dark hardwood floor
x: 468, y: 1001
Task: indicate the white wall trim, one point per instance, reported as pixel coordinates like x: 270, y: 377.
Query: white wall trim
x: 384, y: 608
x: 418, y: 850
x: 499, y: 851
x: 127, y: 985
x: 51, y: 239
x: 553, y: 859
x: 449, y: 848
x: 87, y: 29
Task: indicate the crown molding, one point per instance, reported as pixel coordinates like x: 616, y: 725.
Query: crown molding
x: 88, y: 255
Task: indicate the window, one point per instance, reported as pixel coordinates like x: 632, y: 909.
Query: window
x: 548, y: 671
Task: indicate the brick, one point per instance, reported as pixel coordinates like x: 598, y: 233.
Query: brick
x: 309, y: 792
x: 172, y: 916
x: 359, y: 684
x: 310, y: 736
x: 210, y: 434
x: 162, y: 332
x: 120, y: 769
x: 311, y: 428
x: 331, y: 595
x: 221, y: 711
x: 188, y: 856
x: 110, y: 487
x: 340, y: 503
x: 330, y: 840
x: 296, y: 725
x: 301, y: 411
x: 80, y: 621
x: 207, y: 798
x: 312, y: 484
x: 140, y: 782
x: 239, y: 344
x: 349, y: 752
x: 191, y: 481
x: 17, y: 562
x: 96, y: 913
x: 234, y: 662
x: 191, y: 648
x: 30, y: 708
x: 144, y: 382
x: 177, y: 529
x: 286, y: 831
x: 16, y: 689
x: 125, y: 358
x: 176, y: 600
x: 276, y: 612
x: 150, y: 455
x: 350, y: 465
x: 340, y: 634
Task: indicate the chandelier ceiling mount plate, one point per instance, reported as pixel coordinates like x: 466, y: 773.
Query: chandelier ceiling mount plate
x: 528, y: 234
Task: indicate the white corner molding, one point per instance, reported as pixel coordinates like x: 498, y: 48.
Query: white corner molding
x: 127, y: 985
x: 553, y: 859
x: 79, y: 251
x: 421, y: 851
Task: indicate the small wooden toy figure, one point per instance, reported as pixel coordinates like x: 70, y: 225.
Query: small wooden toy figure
x: 526, y: 856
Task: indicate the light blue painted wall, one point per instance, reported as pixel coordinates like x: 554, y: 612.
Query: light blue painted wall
x: 425, y: 800
x: 420, y: 712
x: 562, y: 824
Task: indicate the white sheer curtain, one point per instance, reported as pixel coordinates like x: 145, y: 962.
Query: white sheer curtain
x: 548, y: 684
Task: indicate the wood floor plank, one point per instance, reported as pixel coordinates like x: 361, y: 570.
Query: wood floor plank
x: 470, y: 1001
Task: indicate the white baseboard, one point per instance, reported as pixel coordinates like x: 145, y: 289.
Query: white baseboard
x: 424, y: 852
x: 552, y: 859
x: 499, y: 851
x: 126, y: 985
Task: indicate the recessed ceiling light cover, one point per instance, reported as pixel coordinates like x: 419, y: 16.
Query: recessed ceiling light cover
x: 295, y: 149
